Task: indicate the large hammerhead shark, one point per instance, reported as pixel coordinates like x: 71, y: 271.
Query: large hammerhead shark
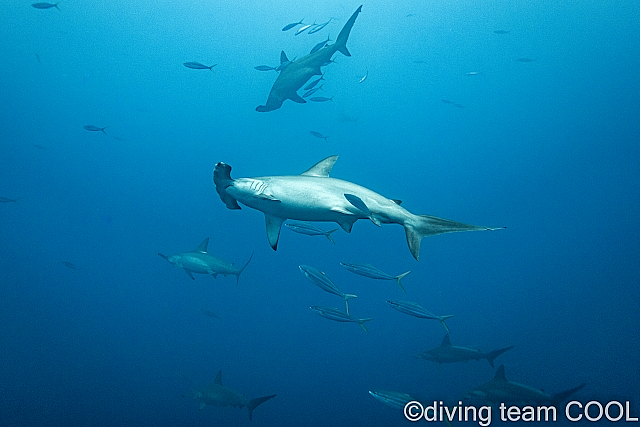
x: 298, y: 72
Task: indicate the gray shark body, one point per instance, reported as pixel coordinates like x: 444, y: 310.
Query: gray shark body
x: 314, y: 196
x: 295, y: 74
x: 448, y: 353
x: 217, y: 394
x: 200, y: 262
x: 501, y: 390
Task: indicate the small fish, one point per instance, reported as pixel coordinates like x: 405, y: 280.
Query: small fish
x: 70, y: 265
x: 319, y: 27
x: 525, y: 60
x: 8, y: 200
x: 312, y: 91
x: 318, y: 135
x: 473, y: 73
x: 304, y: 28
x: 45, y: 5
x: 335, y: 314
x: 290, y: 26
x: 92, y: 128
x: 364, y: 77
x: 321, y: 280
x: 368, y: 270
x: 446, y: 101
x: 209, y: 313
x: 321, y: 99
x: 38, y: 58
x: 264, y: 68
x: 502, y: 31
x: 319, y: 46
x: 199, y: 66
x: 409, y: 15
x: 413, y: 309
x: 309, y: 229
x: 314, y: 83
x: 459, y: 105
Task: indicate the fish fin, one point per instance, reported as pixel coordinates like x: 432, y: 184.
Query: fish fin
x: 495, y: 353
x: 328, y: 234
x: 442, y: 319
x: 347, y: 223
x: 347, y: 297
x: 358, y: 203
x: 283, y: 58
x: 163, y: 256
x: 419, y: 226
x: 253, y: 403
x: 322, y: 168
x: 399, y: 278
x: 274, y: 224
x: 557, y: 398
x: 361, y: 323
x: 341, y: 41
x: 242, y: 268
x: 396, y: 201
x: 189, y: 274
x: 202, y: 247
x: 222, y: 179
x: 267, y: 196
x: 500, y: 376
x: 446, y: 341
x: 218, y: 379
x: 297, y: 98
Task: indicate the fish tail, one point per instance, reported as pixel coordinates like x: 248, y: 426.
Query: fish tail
x: 242, y: 268
x: 328, y: 234
x: 495, y: 353
x: 399, y: 278
x: 442, y: 319
x: 253, y: 403
x: 211, y: 68
x: 419, y: 226
x: 341, y: 41
x: 347, y: 297
x: 361, y: 323
x: 104, y: 129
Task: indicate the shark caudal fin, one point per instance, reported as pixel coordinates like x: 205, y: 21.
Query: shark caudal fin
x: 341, y: 41
x: 239, y: 272
x: 558, y: 398
x: 253, y: 403
x: 419, y: 226
x: 222, y: 179
x: 495, y: 353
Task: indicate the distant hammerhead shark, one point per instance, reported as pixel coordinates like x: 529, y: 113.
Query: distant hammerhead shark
x: 200, y: 262
x: 296, y: 73
x: 217, y: 394
x: 448, y: 353
x: 313, y: 196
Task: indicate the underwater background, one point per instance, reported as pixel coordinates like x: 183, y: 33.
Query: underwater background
x: 540, y: 134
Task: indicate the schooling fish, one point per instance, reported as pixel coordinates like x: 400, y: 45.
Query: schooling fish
x: 321, y: 99
x: 311, y: 91
x: 321, y: 280
x: 501, y: 32
x: 314, y: 83
x: 8, y: 200
x: 368, y: 270
x: 319, y: 46
x: 45, y: 5
x: 70, y: 265
x: 318, y: 135
x: 309, y: 229
x: 290, y: 26
x: 525, y: 60
x: 304, y: 28
x: 264, y: 68
x: 198, y: 66
x: 335, y: 314
x: 415, y: 310
x: 319, y: 27
x: 92, y: 128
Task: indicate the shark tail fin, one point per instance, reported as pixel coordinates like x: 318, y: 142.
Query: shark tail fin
x: 328, y: 234
x: 222, y: 179
x: 361, y: 323
x: 557, y: 398
x: 253, y: 403
x: 419, y: 226
x: 347, y: 297
x: 341, y: 41
x: 495, y: 353
x: 242, y: 268
x: 399, y: 278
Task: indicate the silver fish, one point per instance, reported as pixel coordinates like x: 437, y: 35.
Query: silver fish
x: 8, y: 200
x: 264, y: 68
x: 198, y: 66
x: 70, y: 265
x: 321, y: 280
x: 318, y: 135
x: 92, y: 128
x: 314, y: 83
x: 413, y: 309
x: 45, y: 5
x: 319, y: 46
x: 312, y: 91
x: 290, y: 26
x: 309, y: 229
x: 304, y: 28
x: 335, y: 314
x: 368, y: 270
x: 321, y: 99
x: 319, y: 27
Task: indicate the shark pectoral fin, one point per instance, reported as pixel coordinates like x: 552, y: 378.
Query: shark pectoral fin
x: 189, y: 274
x: 274, y: 224
x: 266, y: 196
x: 297, y: 98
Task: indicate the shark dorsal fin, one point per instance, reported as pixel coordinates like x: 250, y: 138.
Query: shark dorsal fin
x: 203, y: 246
x: 322, y: 168
x: 500, y: 376
x: 218, y: 379
x: 446, y: 341
x: 283, y: 58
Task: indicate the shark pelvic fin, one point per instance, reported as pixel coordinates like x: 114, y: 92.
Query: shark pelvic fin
x: 202, y: 247
x: 189, y: 274
x: 322, y: 168
x: 274, y: 224
x: 297, y: 98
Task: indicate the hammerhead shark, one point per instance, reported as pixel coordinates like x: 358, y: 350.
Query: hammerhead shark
x: 294, y: 74
x: 217, y: 394
x: 448, y: 353
x: 502, y: 390
x: 314, y: 196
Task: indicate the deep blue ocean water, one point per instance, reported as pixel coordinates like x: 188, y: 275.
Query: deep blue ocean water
x: 548, y: 148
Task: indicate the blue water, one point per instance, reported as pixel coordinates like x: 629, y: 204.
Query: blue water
x: 547, y: 148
